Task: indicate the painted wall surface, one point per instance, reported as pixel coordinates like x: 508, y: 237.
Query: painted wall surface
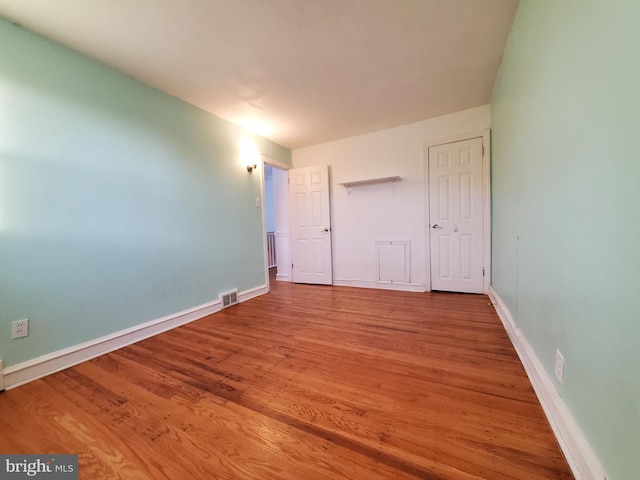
x: 566, y: 208
x: 118, y: 204
x: 375, y: 212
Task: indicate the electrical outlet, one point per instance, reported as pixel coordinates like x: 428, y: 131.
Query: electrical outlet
x: 559, y: 366
x: 20, y: 328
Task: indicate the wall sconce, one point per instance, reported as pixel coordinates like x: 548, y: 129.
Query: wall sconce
x: 249, y: 156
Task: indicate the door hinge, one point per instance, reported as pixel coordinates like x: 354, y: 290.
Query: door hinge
x: 483, y: 271
x: 483, y: 150
x: 292, y: 266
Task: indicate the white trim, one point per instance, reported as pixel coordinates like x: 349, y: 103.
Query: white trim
x: 583, y: 461
x: 485, y: 134
x: 403, y: 287
x: 407, y: 259
x: 253, y: 293
x: 263, y: 210
x: 39, y: 367
x: 276, y: 163
x: 486, y: 207
x: 282, y: 166
x: 1, y: 376
x: 283, y: 278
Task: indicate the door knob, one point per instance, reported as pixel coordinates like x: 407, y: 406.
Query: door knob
x: 435, y: 225
x: 325, y: 230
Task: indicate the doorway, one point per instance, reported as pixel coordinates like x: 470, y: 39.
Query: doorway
x: 276, y: 215
x: 458, y: 214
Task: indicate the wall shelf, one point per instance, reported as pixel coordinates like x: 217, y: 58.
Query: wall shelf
x: 370, y: 181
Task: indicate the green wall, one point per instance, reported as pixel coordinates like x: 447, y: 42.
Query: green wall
x: 566, y: 207
x: 119, y: 204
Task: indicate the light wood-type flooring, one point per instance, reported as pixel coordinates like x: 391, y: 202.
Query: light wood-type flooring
x: 307, y: 382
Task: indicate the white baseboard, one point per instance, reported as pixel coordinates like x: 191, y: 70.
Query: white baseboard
x: 39, y: 367
x: 404, y: 287
x: 583, y: 461
x: 1, y: 376
x: 252, y: 293
x: 283, y: 278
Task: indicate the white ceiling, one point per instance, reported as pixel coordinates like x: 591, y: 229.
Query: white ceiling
x: 300, y: 72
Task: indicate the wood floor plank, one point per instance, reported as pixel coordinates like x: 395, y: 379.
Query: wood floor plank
x: 306, y: 382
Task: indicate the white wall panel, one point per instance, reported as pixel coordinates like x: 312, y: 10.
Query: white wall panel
x: 372, y: 212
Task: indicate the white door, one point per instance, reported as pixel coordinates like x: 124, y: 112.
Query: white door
x: 455, y: 213
x: 310, y: 225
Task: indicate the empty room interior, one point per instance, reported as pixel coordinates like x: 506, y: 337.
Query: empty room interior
x: 312, y: 239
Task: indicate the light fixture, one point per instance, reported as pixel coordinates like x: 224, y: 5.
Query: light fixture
x: 249, y: 156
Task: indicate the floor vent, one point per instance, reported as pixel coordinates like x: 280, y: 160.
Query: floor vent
x: 228, y: 299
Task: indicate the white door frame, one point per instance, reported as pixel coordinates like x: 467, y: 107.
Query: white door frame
x: 485, y: 134
x: 264, y: 160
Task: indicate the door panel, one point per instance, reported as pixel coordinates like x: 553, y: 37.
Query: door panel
x: 311, y: 225
x: 455, y: 211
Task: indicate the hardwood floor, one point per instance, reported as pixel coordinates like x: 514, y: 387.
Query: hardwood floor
x: 306, y: 382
